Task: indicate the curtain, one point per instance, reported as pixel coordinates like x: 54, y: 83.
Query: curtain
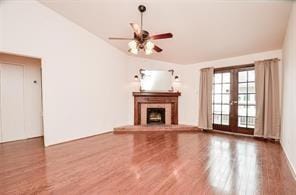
x: 205, y: 98
x: 267, y: 99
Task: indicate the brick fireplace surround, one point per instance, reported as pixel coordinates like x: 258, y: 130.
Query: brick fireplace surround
x: 167, y: 100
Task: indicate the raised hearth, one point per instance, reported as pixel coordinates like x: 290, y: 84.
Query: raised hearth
x: 144, y: 102
x: 156, y: 128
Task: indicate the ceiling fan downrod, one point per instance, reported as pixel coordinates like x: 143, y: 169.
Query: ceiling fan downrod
x: 142, y: 9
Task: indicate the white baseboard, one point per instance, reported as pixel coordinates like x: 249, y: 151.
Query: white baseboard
x: 229, y: 133
x: 293, y: 170
x: 65, y: 140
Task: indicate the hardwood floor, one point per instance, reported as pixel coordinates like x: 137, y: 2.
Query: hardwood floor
x: 141, y: 163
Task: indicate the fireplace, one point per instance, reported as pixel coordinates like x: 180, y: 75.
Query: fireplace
x: 155, y: 116
x: 165, y: 101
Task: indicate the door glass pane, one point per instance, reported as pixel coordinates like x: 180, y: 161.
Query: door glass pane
x: 225, y: 119
x: 251, y: 122
x: 242, y: 99
x: 251, y: 111
x: 217, y: 99
x: 242, y: 110
x: 242, y: 76
x: 226, y: 88
x: 251, y: 88
x: 217, y: 108
x: 242, y: 121
x: 242, y: 88
x: 252, y: 99
x: 217, y: 119
x: 251, y: 75
x: 226, y: 99
x: 218, y: 88
x: 218, y: 78
x: 226, y: 77
x: 225, y: 109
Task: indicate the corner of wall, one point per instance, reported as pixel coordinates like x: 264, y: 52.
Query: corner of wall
x: 290, y: 164
x: 1, y: 26
x: 288, y: 134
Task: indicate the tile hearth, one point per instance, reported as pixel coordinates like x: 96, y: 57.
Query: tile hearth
x: 155, y: 128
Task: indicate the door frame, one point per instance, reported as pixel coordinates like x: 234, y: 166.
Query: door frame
x: 233, y: 114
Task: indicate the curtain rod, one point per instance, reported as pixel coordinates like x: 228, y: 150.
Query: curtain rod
x: 270, y: 59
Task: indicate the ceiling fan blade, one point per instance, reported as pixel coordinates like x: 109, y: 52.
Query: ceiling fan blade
x: 161, y: 36
x: 157, y: 49
x: 136, y: 28
x: 118, y: 38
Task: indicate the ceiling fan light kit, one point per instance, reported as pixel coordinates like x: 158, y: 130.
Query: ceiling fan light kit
x: 142, y: 38
x: 133, y: 51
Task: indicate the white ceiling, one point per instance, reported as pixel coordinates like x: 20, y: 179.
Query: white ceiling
x: 203, y: 30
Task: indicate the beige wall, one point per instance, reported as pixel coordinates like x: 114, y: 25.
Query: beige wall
x: 189, y: 80
x: 289, y: 91
x: 84, y: 78
x: 1, y: 25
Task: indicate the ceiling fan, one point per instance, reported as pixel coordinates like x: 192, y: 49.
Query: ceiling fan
x: 142, y: 39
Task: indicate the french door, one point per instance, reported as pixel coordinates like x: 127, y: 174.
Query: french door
x: 234, y: 105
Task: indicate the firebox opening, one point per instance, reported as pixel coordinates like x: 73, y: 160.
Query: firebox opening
x: 155, y: 115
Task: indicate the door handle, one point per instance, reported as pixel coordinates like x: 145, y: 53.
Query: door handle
x: 233, y: 102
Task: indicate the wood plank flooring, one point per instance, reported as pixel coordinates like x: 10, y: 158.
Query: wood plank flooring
x: 146, y: 163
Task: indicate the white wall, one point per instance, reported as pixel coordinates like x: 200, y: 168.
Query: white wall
x: 189, y: 80
x: 1, y: 25
x: 289, y: 91
x: 84, y: 78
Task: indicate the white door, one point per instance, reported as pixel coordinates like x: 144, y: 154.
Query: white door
x: 12, y: 102
x: 32, y: 101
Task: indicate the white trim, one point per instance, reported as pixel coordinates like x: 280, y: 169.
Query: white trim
x: 62, y: 141
x: 267, y: 137
x: 293, y: 170
x: 230, y: 133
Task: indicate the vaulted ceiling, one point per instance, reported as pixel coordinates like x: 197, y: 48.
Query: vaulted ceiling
x: 203, y: 30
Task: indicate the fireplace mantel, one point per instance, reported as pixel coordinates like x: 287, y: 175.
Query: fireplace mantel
x: 157, y: 94
x: 156, y: 98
